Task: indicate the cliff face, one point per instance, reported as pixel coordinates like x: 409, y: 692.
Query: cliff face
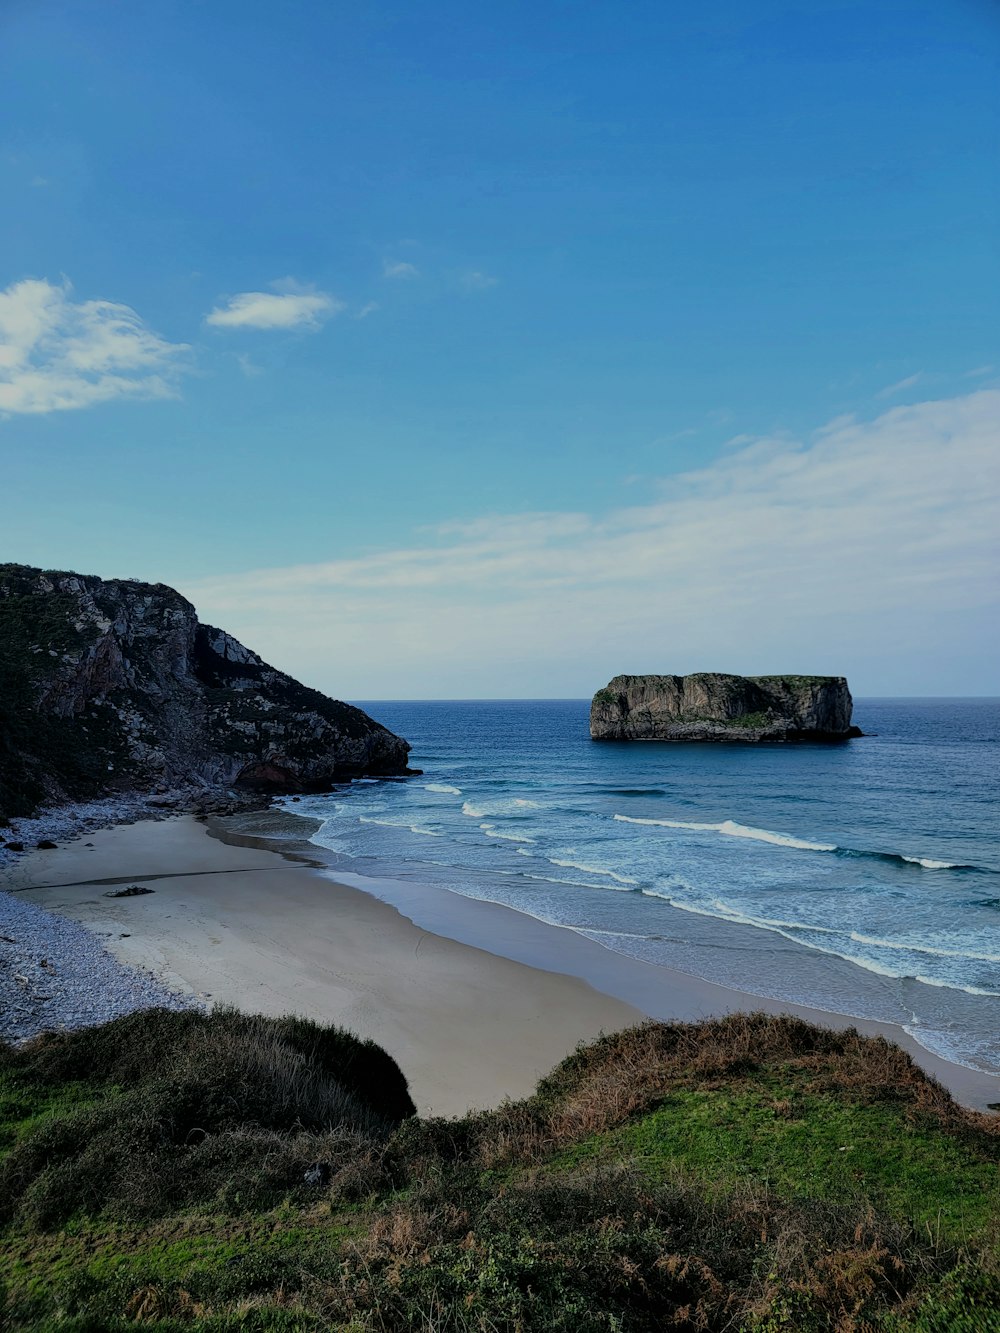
x: 710, y: 706
x: 115, y: 685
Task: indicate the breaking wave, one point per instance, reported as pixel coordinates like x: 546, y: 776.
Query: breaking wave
x: 795, y: 931
x: 399, y: 823
x: 731, y: 829
x: 624, y: 880
x: 487, y: 809
x: 492, y: 831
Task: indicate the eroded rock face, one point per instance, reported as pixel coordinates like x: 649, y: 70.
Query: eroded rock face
x: 711, y: 706
x: 114, y: 685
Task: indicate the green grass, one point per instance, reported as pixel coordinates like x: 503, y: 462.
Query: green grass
x: 813, y: 1147
x: 748, y: 1174
x: 748, y: 721
x: 26, y: 1106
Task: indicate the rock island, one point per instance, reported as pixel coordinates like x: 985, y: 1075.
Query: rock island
x: 713, y: 706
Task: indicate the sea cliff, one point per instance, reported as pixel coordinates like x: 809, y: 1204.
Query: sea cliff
x: 116, y: 686
x: 712, y: 706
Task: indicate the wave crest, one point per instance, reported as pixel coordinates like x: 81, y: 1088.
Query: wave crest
x: 729, y: 828
x: 625, y: 880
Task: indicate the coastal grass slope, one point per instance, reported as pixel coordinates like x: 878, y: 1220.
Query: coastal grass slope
x: 241, y: 1173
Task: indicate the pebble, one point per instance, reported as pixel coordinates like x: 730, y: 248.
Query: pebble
x: 60, y: 824
x: 56, y: 975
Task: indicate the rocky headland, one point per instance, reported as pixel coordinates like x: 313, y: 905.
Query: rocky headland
x: 115, y: 688
x: 712, y: 706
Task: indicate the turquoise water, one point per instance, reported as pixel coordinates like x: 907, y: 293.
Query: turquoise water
x: 862, y: 877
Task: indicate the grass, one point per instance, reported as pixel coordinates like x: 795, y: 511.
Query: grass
x: 751, y: 1173
x: 812, y: 1147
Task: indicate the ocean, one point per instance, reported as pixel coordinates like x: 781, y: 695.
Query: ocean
x: 861, y: 878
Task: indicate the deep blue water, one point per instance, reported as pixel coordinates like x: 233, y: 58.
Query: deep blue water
x: 862, y: 877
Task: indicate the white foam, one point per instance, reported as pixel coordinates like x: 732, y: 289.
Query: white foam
x: 877, y: 943
x: 487, y: 809
x: 731, y: 829
x: 951, y: 985
x: 720, y: 910
x: 593, y: 870
x: 576, y: 883
x: 668, y: 823
x: 494, y: 832
x: 397, y: 823
x: 939, y: 1044
x: 443, y: 787
x: 929, y: 864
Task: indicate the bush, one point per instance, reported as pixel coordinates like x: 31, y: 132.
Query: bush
x: 193, y: 1107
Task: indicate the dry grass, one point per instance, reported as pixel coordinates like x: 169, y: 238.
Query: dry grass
x: 535, y: 1216
x: 606, y: 1083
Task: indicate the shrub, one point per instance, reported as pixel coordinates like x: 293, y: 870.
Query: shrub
x: 194, y: 1107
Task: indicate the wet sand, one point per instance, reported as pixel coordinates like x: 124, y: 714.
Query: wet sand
x: 475, y: 1001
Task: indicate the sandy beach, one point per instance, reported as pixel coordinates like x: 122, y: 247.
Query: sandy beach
x: 474, y: 1000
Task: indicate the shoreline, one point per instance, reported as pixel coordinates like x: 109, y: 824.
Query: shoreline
x: 271, y: 934
x: 657, y: 990
x: 474, y: 999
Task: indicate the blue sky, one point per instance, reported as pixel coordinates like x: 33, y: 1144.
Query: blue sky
x: 492, y: 349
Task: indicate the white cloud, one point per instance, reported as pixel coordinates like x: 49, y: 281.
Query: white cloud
x: 367, y: 309
x: 868, y: 537
x: 289, y: 308
x: 249, y: 367
x: 476, y: 281
x: 57, y: 354
x: 399, y: 269
x: 900, y: 385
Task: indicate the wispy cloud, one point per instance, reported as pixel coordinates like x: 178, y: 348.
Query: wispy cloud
x: 782, y: 555
x: 476, y: 281
x: 900, y: 385
x: 288, y: 307
x: 249, y: 367
x: 57, y: 354
x: 367, y: 309
x: 399, y: 269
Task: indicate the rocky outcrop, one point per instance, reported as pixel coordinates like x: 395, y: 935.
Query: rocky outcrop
x: 710, y: 706
x: 116, y: 686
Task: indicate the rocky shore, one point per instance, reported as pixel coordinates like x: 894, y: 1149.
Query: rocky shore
x: 115, y: 686
x: 55, y: 975
x: 56, y: 824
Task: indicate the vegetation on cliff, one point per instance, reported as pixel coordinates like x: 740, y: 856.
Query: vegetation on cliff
x: 238, y: 1173
x: 114, y: 685
x: 714, y: 706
